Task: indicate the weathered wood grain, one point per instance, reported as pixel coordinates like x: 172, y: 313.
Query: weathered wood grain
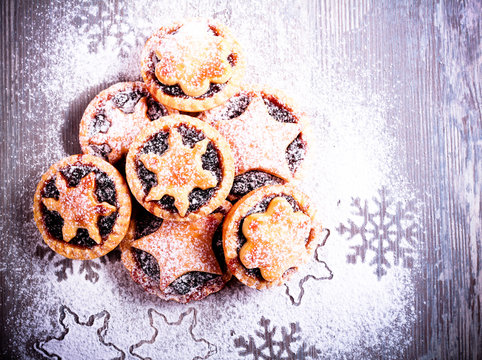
x: 428, y: 54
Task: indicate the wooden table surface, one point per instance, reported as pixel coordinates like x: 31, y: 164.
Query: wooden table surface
x: 422, y: 58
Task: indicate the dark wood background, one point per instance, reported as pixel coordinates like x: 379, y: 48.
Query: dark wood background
x: 430, y: 52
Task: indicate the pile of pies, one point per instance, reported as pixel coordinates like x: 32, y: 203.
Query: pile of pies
x: 209, y: 168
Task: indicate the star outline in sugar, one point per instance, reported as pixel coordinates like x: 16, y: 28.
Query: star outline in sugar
x: 258, y: 141
x: 194, y: 237
x: 193, y: 58
x: 123, y: 128
x: 186, y: 319
x: 178, y: 162
x: 265, y: 248
x: 318, y: 271
x: 71, y: 323
x: 78, y: 206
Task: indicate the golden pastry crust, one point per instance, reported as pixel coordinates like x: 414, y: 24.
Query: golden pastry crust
x: 152, y: 285
x: 265, y: 211
x: 193, y: 65
x: 268, y: 134
x: 118, y: 128
x: 81, y: 207
x: 176, y: 168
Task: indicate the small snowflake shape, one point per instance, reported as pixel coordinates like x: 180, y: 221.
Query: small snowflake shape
x: 64, y: 267
x: 268, y: 347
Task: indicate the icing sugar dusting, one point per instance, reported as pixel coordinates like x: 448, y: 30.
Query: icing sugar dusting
x: 352, y: 315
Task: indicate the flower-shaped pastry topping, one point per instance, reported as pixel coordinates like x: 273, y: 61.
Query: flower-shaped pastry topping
x: 178, y: 170
x: 182, y: 247
x: 123, y: 128
x: 275, y: 239
x: 78, y: 206
x: 193, y: 57
x: 258, y: 141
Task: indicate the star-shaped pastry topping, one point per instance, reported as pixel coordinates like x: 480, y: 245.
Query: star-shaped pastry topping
x: 182, y: 247
x: 258, y: 141
x: 123, y: 128
x: 78, y: 206
x: 193, y: 57
x: 178, y: 170
x: 275, y: 239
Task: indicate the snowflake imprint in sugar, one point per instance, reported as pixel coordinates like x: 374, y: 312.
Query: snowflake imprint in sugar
x: 267, y: 346
x: 76, y: 334
x: 96, y: 20
x: 382, y: 232
x: 64, y: 266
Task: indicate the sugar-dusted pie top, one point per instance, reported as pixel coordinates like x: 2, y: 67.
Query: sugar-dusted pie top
x: 268, y: 234
x: 258, y: 139
x: 178, y: 171
x: 78, y: 206
x: 82, y: 207
x: 174, y: 260
x: 192, y: 65
x: 182, y: 247
x: 115, y: 117
x: 193, y: 56
x: 180, y: 168
x: 123, y: 127
x: 275, y: 239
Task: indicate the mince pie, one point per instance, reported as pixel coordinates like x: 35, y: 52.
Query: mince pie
x: 268, y: 234
x: 180, y: 168
x: 82, y: 207
x: 115, y: 117
x: 177, y: 260
x: 267, y: 135
x: 194, y: 65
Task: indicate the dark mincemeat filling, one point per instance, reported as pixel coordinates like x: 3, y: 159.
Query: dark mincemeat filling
x: 127, y: 100
x: 105, y: 192
x: 234, y: 107
x: 278, y: 111
x: 252, y: 180
x: 176, y: 91
x: 262, y: 206
x: 158, y: 144
x: 295, y: 153
x: 101, y: 151
x: 187, y: 283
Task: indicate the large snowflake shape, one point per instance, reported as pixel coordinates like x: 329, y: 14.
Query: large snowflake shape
x: 175, y: 338
x: 270, y: 346
x: 382, y: 232
x: 101, y: 30
x: 80, y: 339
